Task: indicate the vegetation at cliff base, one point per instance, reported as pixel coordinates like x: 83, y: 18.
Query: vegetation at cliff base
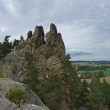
x: 74, y: 93
x: 68, y: 88
x: 6, y: 46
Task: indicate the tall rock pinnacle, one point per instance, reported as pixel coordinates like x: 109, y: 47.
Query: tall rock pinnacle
x: 54, y: 42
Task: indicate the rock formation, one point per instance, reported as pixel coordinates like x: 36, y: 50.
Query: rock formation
x: 34, y: 102
x: 29, y: 34
x: 47, y: 54
x: 1, y: 65
x: 54, y: 42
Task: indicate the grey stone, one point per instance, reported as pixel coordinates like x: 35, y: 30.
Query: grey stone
x: 34, y: 102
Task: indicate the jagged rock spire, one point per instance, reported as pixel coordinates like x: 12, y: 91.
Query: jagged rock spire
x: 54, y: 42
x: 29, y: 34
x: 53, y: 29
x: 39, y: 34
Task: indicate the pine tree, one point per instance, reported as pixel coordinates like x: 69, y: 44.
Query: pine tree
x: 71, y: 83
x: 21, y: 38
x: 15, y: 44
x: 95, y: 98
x: 6, y: 46
x: 32, y: 76
x: 51, y: 92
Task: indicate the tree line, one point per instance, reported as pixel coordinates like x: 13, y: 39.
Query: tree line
x: 6, y: 46
x: 68, y: 90
x: 64, y: 89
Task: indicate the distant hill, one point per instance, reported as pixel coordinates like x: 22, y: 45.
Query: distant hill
x: 102, y: 62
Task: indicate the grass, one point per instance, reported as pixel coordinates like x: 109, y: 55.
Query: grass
x: 101, y: 79
x: 106, y: 73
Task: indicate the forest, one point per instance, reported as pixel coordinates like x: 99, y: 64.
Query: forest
x: 66, y: 88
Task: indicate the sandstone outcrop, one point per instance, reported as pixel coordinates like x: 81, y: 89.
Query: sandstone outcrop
x: 34, y: 102
x: 47, y: 54
x: 54, y: 42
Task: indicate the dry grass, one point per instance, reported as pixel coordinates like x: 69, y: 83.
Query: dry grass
x: 101, y: 79
x: 106, y: 78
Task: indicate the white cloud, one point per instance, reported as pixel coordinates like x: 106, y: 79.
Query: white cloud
x: 84, y: 25
x: 11, y: 7
x: 3, y: 29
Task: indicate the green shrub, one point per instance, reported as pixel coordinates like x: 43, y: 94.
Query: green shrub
x: 1, y: 74
x: 17, y: 96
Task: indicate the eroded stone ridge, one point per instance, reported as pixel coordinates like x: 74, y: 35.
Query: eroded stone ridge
x: 48, y: 51
x: 54, y: 42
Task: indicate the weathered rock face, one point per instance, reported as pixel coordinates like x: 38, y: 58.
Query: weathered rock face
x: 54, y: 42
x: 47, y: 54
x: 1, y: 65
x: 29, y: 34
x: 34, y: 102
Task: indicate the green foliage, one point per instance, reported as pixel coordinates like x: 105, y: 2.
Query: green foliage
x: 71, y: 83
x: 81, y: 101
x: 105, y: 88
x: 6, y: 46
x: 95, y: 98
x: 15, y: 44
x: 1, y: 74
x: 14, y: 69
x: 32, y: 73
x: 64, y: 87
x: 21, y: 38
x: 98, y: 95
x: 67, y: 87
x: 17, y: 96
x: 92, y: 68
x: 1, y: 56
x: 51, y: 92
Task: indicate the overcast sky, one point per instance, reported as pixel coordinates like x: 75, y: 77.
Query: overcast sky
x: 84, y: 24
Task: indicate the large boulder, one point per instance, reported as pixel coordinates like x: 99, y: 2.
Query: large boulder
x: 34, y: 102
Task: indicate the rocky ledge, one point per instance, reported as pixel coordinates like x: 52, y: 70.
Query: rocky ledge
x: 34, y: 102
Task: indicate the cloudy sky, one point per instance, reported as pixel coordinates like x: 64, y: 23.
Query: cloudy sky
x: 84, y: 24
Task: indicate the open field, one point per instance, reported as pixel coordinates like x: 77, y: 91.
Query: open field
x: 101, y: 79
x: 91, y: 63
x: 89, y: 67
x: 105, y: 72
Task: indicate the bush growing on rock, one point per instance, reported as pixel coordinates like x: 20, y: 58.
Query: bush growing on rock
x: 17, y: 96
x: 1, y: 74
